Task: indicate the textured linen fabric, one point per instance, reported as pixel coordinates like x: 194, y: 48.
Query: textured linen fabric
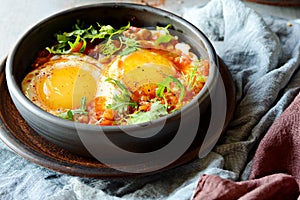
x: 262, y: 54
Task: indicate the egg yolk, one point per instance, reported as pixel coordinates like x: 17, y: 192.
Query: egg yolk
x: 65, y: 87
x: 142, y: 57
x: 145, y: 67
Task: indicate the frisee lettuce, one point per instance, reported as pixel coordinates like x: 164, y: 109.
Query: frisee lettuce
x: 66, y: 41
x: 157, y: 110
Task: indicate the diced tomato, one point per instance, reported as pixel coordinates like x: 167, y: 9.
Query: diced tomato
x: 145, y: 107
x: 106, y: 122
x: 77, y: 47
x: 99, y: 106
x: 181, y: 62
x: 145, y: 93
x: 108, y: 114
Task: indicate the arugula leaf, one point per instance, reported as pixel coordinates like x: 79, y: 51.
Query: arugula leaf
x: 165, y: 85
x: 122, y: 101
x: 58, y: 49
x: 120, y: 85
x: 69, y: 114
x: 157, y: 110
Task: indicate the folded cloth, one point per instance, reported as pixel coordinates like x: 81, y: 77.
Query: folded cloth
x: 279, y: 150
x: 277, y: 153
x: 273, y: 187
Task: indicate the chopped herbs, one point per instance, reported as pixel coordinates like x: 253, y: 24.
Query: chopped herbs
x: 122, y: 101
x: 165, y: 35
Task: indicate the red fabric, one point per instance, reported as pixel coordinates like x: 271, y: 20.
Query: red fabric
x: 279, y: 150
x: 275, y: 172
x: 275, y: 187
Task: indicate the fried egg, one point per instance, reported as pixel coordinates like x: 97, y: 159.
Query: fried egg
x: 141, y: 68
x: 60, y: 83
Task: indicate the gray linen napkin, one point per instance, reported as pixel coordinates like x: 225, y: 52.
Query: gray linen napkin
x: 263, y: 55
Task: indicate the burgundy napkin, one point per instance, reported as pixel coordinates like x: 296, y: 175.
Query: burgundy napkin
x: 279, y: 150
x: 275, y: 172
x: 275, y: 187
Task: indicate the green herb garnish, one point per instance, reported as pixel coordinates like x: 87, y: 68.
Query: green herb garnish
x: 77, y: 42
x: 109, y: 48
x: 68, y: 40
x: 165, y: 85
x: 122, y: 101
x: 69, y: 114
x: 157, y: 110
x: 128, y: 46
x: 165, y: 35
x: 131, y: 45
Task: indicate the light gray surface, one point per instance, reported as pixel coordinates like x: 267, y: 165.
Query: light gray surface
x: 263, y: 57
